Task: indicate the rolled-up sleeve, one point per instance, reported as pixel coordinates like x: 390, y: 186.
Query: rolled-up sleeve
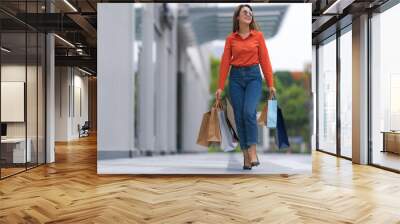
x: 225, y: 63
x: 265, y: 61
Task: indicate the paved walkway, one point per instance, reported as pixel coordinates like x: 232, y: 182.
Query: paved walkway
x: 206, y: 163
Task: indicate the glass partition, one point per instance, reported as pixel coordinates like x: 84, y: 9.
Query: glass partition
x: 22, y: 88
x: 346, y: 93
x: 14, y: 154
x: 327, y: 95
x: 32, y: 95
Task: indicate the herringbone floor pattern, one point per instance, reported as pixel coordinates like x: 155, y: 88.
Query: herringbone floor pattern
x: 70, y: 191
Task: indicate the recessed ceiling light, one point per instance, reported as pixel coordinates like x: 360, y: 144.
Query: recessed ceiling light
x: 84, y: 71
x: 5, y: 50
x: 338, y: 6
x: 64, y: 40
x: 70, y: 5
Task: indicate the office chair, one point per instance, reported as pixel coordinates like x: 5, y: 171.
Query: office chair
x: 84, y: 130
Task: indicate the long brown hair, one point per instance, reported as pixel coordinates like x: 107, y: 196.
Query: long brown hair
x: 253, y: 25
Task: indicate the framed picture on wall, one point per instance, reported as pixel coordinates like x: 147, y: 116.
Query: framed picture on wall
x: 12, y: 101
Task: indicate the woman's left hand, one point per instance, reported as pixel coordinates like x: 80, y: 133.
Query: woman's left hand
x: 272, y: 91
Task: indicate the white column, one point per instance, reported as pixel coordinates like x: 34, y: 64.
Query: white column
x: 360, y: 90
x: 50, y: 99
x: 50, y: 93
x: 172, y: 88
x: 146, y: 82
x: 115, y: 65
x: 314, y: 100
x: 163, y: 93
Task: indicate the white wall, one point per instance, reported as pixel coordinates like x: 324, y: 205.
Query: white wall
x: 61, y: 104
x: 66, y: 121
x: 80, y: 83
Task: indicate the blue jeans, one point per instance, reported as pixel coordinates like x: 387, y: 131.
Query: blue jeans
x: 245, y: 88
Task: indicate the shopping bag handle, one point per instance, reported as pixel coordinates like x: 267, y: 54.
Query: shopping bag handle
x: 218, y: 104
x: 272, y: 97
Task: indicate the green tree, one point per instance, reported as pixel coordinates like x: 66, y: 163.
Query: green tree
x: 293, y: 102
x: 215, y: 63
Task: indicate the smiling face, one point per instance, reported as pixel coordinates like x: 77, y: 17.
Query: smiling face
x: 245, y: 15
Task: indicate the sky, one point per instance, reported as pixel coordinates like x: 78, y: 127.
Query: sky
x: 291, y: 47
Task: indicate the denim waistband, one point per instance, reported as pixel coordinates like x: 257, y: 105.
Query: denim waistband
x: 244, y: 67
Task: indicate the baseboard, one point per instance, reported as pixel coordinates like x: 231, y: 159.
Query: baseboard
x: 104, y: 155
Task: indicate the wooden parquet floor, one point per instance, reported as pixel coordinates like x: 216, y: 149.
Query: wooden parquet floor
x: 70, y: 191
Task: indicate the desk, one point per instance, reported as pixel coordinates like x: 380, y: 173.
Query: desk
x: 391, y: 142
x: 16, y: 147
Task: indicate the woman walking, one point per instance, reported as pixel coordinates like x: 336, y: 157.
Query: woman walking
x: 244, y: 51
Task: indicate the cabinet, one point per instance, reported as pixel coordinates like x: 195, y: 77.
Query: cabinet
x: 391, y: 142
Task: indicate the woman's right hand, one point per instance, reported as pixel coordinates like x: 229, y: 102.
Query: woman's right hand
x: 218, y: 94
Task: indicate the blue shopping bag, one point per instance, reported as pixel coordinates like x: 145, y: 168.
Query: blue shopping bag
x: 281, y: 134
x: 272, y: 113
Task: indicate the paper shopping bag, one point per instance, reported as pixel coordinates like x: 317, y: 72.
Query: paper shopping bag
x: 214, y: 132
x: 202, y: 138
x: 262, y: 120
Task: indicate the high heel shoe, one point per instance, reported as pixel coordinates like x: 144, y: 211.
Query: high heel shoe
x: 244, y: 166
x: 256, y: 163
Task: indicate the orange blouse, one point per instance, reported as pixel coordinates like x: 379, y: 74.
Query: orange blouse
x: 245, y: 52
